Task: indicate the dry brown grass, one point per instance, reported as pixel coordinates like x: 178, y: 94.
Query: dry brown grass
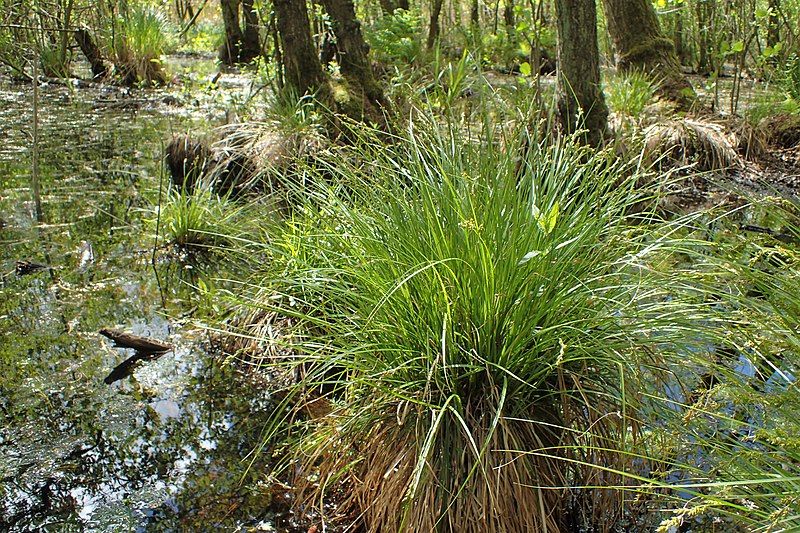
x: 521, y: 474
x: 703, y: 145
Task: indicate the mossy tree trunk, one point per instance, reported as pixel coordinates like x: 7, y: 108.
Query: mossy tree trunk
x: 640, y: 45
x: 301, y: 66
x: 773, y: 25
x: 581, y: 105
x: 231, y: 47
x: 353, y: 54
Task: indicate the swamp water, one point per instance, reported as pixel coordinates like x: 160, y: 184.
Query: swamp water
x: 167, y: 449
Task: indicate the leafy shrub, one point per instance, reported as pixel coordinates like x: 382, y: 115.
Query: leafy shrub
x: 395, y: 38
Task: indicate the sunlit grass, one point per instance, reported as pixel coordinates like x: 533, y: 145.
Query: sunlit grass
x: 204, y: 221
x: 628, y: 94
x: 140, y: 44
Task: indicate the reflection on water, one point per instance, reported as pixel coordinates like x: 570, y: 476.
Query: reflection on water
x: 162, y: 450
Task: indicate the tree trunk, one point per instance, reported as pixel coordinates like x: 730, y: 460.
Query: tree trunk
x: 703, y: 13
x: 354, y: 59
x: 508, y: 16
x: 581, y: 105
x: 92, y: 53
x: 251, y: 39
x: 475, y: 13
x: 640, y: 45
x: 301, y: 67
x: 231, y: 48
x: 680, y: 50
x: 433, y: 28
x: 773, y: 25
x: 387, y: 6
x: 403, y: 4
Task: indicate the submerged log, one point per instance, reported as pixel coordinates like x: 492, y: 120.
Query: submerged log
x: 146, y: 350
x: 23, y: 268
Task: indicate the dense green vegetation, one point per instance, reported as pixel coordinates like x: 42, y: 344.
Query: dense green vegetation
x: 496, y: 271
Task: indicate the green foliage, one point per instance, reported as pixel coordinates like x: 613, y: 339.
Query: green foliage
x: 790, y: 80
x: 53, y: 64
x: 204, y: 36
x: 744, y: 429
x: 291, y: 114
x: 629, y: 93
x: 395, y: 39
x: 769, y: 105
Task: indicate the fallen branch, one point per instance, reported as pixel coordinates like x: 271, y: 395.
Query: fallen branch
x: 145, y: 345
x: 146, y: 350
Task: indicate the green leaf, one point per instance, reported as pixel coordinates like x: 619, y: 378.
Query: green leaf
x: 552, y: 218
x: 525, y: 69
x: 546, y: 222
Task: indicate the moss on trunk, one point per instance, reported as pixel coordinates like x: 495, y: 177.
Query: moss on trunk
x: 641, y: 45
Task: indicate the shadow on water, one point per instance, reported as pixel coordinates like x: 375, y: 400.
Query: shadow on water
x: 163, y: 450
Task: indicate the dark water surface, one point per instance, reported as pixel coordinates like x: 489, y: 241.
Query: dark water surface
x: 166, y: 449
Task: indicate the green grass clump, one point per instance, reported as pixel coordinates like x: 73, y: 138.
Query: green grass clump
x: 628, y: 94
x: 202, y: 220
x: 482, y: 329
x: 139, y: 46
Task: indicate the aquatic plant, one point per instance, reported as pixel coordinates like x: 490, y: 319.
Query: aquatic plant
x: 473, y: 332
x: 204, y: 220
x: 746, y: 425
x: 139, y: 45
